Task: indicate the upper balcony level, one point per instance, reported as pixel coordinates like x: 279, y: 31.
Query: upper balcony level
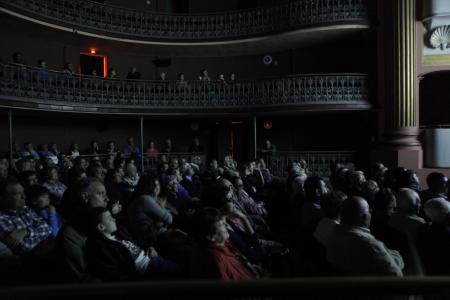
x: 290, y: 24
x: 25, y: 87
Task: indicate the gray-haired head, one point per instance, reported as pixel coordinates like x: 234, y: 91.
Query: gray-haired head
x: 437, y: 209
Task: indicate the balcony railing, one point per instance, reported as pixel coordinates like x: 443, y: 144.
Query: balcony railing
x: 286, y: 16
x: 318, y: 162
x: 51, y: 87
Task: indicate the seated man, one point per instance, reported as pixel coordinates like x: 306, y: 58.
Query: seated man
x: 21, y: 229
x: 437, y: 188
x: 113, y: 259
x: 354, y: 250
x: 71, y: 241
x: 406, y: 219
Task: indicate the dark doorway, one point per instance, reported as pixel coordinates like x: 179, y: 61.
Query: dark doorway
x: 240, y: 141
x: 93, y: 64
x: 435, y: 99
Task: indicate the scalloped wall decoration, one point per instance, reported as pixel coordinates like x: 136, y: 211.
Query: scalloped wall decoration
x: 440, y: 37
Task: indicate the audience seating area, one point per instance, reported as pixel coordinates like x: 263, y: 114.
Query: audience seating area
x: 98, y: 218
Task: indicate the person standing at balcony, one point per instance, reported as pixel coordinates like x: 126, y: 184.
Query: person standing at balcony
x: 68, y: 69
x: 151, y: 151
x: 221, y: 82
x: 112, y: 74
x: 17, y: 58
x: 29, y: 151
x: 196, y: 147
x: 163, y: 76
x: 181, y: 82
x: 43, y: 72
x: 204, y: 76
x: 354, y: 250
x: 232, y: 78
x: 131, y: 150
x: 168, y: 147
x: 134, y: 74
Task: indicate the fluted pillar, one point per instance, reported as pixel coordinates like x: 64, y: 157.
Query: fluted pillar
x: 399, y: 93
x: 401, y: 109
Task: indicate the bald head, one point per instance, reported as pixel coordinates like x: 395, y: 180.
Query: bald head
x: 408, y: 201
x: 437, y: 209
x: 355, y: 212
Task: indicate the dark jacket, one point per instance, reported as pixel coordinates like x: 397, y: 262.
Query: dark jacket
x: 109, y: 260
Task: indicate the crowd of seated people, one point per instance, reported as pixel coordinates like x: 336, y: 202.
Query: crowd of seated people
x: 84, y: 219
x: 133, y: 74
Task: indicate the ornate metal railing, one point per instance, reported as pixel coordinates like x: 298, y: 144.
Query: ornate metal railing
x: 318, y: 162
x: 50, y: 87
x: 151, y: 163
x: 286, y: 16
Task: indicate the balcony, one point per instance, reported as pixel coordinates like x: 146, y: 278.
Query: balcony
x: 291, y: 24
x: 22, y: 86
x: 284, y: 17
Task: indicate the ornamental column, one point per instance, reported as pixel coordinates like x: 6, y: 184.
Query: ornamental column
x: 400, y: 146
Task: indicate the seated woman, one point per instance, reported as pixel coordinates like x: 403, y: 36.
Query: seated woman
x: 112, y: 259
x: 218, y: 259
x: 147, y: 216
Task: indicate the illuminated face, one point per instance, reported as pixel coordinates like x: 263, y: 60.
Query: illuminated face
x: 15, y: 197
x: 97, y: 196
x: 107, y: 224
x: 221, y: 235
x: 43, y: 201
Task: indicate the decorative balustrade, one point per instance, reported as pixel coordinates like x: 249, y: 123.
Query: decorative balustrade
x: 286, y: 16
x: 318, y: 162
x: 50, y: 87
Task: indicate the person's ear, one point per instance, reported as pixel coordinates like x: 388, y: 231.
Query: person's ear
x: 100, y: 227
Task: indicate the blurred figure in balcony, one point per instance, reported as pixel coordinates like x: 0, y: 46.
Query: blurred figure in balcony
x: 221, y: 82
x: 134, y: 74
x: 17, y: 58
x: 94, y: 73
x: 181, y: 82
x: 151, y: 150
x: 94, y: 148
x: 68, y: 69
x: 74, y: 150
x: 29, y: 151
x: 112, y: 74
x: 196, y: 147
x: 43, y: 72
x: 168, y: 147
x: 232, y: 78
x: 163, y: 76
x: 131, y: 150
x: 204, y: 76
x: 111, y: 148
